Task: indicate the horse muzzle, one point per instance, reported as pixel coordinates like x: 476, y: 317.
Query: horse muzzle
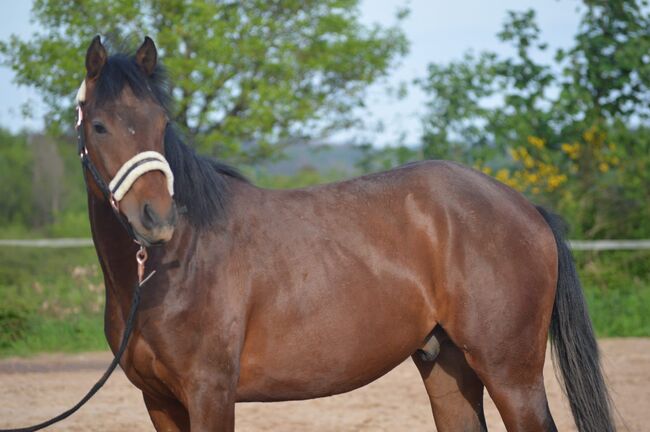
x: 153, y: 227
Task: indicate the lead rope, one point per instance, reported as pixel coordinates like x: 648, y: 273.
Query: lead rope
x: 141, y: 258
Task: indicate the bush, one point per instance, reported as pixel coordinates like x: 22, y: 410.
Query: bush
x: 52, y: 300
x: 617, y: 288
x: 14, y: 321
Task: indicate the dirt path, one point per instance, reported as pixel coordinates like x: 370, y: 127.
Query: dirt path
x: 35, y: 389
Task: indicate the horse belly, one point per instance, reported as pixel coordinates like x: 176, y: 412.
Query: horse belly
x: 352, y: 338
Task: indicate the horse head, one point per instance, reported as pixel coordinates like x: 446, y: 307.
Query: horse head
x: 123, y: 124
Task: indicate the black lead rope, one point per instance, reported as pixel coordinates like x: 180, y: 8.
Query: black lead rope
x: 141, y: 258
x: 116, y: 361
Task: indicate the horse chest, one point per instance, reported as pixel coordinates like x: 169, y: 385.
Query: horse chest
x: 141, y: 364
x: 146, y: 371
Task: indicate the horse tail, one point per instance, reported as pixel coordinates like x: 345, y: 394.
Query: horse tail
x: 573, y: 343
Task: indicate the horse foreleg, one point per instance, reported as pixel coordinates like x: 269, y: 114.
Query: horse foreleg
x: 212, y: 408
x: 167, y: 415
x: 455, y: 392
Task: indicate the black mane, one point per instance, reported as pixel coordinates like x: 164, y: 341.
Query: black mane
x: 201, y: 184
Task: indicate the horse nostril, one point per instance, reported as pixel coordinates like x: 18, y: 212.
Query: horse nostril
x: 149, y: 217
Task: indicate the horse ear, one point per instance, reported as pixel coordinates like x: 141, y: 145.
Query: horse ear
x: 95, y: 58
x: 147, y: 56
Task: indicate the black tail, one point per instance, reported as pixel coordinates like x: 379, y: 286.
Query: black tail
x: 574, y: 344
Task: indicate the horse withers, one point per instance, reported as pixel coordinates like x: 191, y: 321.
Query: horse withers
x: 267, y: 295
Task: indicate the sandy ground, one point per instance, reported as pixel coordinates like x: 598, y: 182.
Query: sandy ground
x: 35, y: 389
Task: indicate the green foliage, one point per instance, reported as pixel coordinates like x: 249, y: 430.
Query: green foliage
x: 74, y: 334
x: 70, y: 224
x: 14, y: 319
x: 571, y: 134
x: 37, y: 200
x: 52, y: 300
x: 618, y: 291
x: 483, y: 104
x: 248, y: 72
x: 307, y: 176
x: 379, y: 159
x: 456, y: 121
x: 15, y: 179
x: 606, y: 74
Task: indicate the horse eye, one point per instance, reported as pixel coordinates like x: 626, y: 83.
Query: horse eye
x: 99, y: 128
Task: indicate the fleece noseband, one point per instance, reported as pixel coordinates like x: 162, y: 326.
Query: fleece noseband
x: 138, y: 165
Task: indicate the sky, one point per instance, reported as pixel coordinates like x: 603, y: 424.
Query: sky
x: 438, y: 31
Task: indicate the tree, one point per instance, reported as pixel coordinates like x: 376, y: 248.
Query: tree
x: 482, y: 104
x: 606, y: 74
x: 579, y: 123
x: 16, y: 206
x: 248, y: 76
x: 47, y: 180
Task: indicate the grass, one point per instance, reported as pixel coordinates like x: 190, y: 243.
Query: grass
x: 617, y: 288
x: 52, y: 300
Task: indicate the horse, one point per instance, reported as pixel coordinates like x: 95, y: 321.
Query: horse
x: 274, y: 295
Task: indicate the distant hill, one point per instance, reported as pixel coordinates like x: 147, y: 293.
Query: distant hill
x: 322, y: 157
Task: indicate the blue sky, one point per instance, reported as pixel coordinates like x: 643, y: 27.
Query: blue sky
x: 439, y: 31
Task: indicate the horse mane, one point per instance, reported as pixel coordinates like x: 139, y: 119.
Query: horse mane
x: 201, y: 184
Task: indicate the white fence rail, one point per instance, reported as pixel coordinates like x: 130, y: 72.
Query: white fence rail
x: 48, y: 243
x: 601, y: 245
x: 593, y: 245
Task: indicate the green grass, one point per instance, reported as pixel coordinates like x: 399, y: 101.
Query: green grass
x: 46, y: 334
x: 617, y: 288
x: 52, y: 300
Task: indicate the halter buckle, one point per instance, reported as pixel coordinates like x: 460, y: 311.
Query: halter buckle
x: 114, y: 203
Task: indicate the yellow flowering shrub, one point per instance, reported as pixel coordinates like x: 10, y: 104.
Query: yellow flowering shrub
x: 534, y: 171
x: 539, y: 169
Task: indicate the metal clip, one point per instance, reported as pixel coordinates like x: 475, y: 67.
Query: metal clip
x: 116, y: 206
x: 141, y: 257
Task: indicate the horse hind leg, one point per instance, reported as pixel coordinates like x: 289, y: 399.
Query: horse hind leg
x: 508, y: 357
x: 511, y: 368
x: 455, y: 392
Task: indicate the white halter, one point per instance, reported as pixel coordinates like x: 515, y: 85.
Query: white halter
x: 135, y: 167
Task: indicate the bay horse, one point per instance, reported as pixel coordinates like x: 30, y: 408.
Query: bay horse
x: 273, y: 295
